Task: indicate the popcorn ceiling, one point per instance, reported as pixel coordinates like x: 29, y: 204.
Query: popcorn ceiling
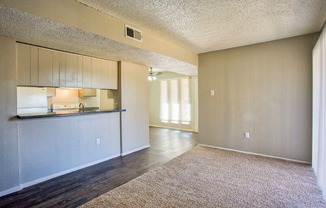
x: 28, y: 28
x: 200, y: 26
x: 210, y: 25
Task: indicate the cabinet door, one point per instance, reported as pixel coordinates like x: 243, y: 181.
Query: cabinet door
x: 23, y: 64
x: 79, y: 71
x: 96, y: 73
x: 62, y: 69
x: 45, y: 67
x: 55, y: 69
x: 34, y: 66
x: 71, y: 70
x: 87, y: 72
x: 113, y: 75
x: 105, y: 74
x: 110, y: 75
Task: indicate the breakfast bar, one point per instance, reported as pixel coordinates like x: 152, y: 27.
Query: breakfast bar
x: 68, y: 113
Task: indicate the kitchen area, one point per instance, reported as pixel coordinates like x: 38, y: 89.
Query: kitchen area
x: 65, y: 111
x: 52, y: 82
x: 43, y: 101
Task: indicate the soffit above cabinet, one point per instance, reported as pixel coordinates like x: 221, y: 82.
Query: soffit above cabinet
x: 38, y: 30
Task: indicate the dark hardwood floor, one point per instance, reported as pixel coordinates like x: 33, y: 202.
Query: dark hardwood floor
x: 76, y: 188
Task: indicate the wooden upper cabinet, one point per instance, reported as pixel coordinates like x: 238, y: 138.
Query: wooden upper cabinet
x: 45, y: 67
x: 113, y: 73
x: 23, y: 64
x: 104, y: 74
x: 79, y: 71
x: 87, y: 72
x: 55, y: 69
x: 96, y: 73
x: 110, y: 75
x: 34, y: 66
x: 105, y: 79
x: 62, y: 69
x: 71, y: 70
x: 27, y: 65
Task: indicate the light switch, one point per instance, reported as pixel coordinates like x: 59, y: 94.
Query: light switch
x: 212, y: 92
x: 247, y: 135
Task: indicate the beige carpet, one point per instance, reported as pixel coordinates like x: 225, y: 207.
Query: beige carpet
x: 206, y: 177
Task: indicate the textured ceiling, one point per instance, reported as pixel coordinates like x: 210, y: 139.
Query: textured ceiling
x: 200, y: 26
x: 209, y: 25
x: 28, y: 28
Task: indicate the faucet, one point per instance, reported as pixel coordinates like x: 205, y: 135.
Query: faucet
x: 81, y: 106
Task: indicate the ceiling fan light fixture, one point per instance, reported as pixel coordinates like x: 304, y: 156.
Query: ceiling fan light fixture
x: 151, y: 76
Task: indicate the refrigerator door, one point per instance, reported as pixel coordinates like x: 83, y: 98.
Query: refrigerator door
x: 31, y: 100
x: 32, y: 110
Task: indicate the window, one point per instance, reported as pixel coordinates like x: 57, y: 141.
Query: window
x: 164, y: 102
x: 175, y: 101
x: 185, y: 102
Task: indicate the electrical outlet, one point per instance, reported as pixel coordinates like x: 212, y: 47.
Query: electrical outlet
x: 98, y: 141
x: 247, y: 135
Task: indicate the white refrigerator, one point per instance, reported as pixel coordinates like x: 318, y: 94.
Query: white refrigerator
x: 31, y: 100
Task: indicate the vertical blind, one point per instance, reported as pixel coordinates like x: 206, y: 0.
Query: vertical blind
x: 319, y: 111
x: 175, y: 106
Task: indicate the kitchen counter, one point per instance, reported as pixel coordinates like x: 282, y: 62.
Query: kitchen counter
x: 65, y: 113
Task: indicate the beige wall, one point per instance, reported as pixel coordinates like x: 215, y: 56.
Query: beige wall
x: 9, y: 157
x: 134, y: 98
x: 264, y: 89
x: 154, y: 103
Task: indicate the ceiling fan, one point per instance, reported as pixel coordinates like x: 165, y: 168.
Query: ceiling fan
x: 152, y: 75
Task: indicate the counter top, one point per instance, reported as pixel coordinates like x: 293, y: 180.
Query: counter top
x: 64, y: 113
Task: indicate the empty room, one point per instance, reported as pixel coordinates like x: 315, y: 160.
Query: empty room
x: 215, y: 103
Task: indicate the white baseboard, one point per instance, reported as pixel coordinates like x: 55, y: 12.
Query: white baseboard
x: 24, y: 185
x: 253, y: 153
x: 174, y: 128
x: 11, y: 190
x: 134, y: 150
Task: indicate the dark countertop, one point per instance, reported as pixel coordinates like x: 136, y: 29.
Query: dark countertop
x: 64, y: 113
